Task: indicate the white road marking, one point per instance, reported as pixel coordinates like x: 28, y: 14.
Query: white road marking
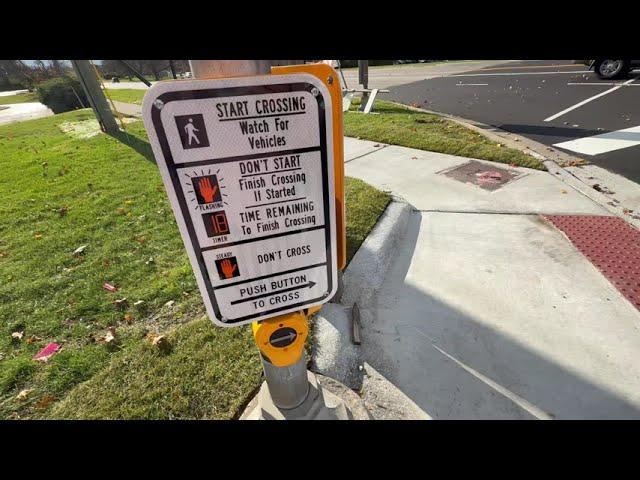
x: 578, y: 105
x: 514, y: 73
x: 471, y: 84
x: 606, y: 84
x: 603, y: 143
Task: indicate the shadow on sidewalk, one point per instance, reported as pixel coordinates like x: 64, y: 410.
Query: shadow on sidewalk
x: 455, y: 367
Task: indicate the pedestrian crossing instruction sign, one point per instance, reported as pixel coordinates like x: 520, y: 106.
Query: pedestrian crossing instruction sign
x: 249, y: 170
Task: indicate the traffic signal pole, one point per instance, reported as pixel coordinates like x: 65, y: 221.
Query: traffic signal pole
x: 290, y: 391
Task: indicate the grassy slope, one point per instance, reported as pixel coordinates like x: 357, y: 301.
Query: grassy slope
x: 398, y: 125
x: 126, y: 95
x: 62, y: 192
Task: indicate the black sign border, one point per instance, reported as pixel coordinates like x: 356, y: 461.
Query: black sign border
x: 172, y: 168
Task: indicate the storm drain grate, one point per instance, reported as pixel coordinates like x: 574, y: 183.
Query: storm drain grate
x: 482, y: 175
x: 610, y: 244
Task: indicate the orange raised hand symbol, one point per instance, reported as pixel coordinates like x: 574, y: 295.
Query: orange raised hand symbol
x: 206, y: 190
x: 228, y: 268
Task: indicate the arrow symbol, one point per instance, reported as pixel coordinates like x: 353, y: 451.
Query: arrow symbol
x: 304, y: 285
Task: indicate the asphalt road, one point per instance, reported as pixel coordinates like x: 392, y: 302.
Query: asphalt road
x: 543, y: 100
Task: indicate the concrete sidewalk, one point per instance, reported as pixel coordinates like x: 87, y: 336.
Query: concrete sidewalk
x: 18, y: 112
x: 130, y: 109
x: 487, y: 310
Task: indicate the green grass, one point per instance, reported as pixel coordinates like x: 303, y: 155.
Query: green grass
x: 209, y: 373
x: 126, y: 95
x: 364, y: 206
x: 61, y: 191
x: 398, y: 125
x: 19, y: 98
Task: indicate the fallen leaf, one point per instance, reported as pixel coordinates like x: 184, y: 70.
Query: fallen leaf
x: 139, y: 302
x: 169, y: 303
x: 141, y: 239
x: 159, y: 341
x: 128, y: 202
x: 47, y: 352
x: 110, y: 336
x: 109, y: 287
x: 45, y: 401
x: 121, y: 211
x: 33, y: 338
x: 62, y: 211
x: 563, y: 191
x: 37, y: 236
x: 22, y: 396
x: 17, y: 335
x: 128, y: 318
x: 120, y: 303
x: 79, y: 251
x: 3, y: 254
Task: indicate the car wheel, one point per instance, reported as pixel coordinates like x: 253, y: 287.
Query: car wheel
x: 609, y: 69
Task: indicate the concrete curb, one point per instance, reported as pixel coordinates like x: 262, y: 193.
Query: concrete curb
x: 333, y: 354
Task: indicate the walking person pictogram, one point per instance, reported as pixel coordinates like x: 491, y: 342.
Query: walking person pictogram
x: 192, y: 131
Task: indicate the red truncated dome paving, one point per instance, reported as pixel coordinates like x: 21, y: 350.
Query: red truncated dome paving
x: 611, y: 244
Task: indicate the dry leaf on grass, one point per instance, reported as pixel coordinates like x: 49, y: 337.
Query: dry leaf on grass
x: 45, y: 401
x: 22, y: 396
x: 17, y: 335
x: 47, y: 352
x: 120, y: 303
x: 110, y: 336
x: 159, y: 341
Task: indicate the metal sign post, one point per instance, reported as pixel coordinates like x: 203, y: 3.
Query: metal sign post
x: 91, y: 85
x: 363, y: 79
x: 247, y: 159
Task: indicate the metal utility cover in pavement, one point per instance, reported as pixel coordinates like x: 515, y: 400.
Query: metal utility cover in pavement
x: 482, y: 175
x: 611, y: 244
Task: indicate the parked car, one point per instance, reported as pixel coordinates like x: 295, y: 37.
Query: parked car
x: 609, y: 69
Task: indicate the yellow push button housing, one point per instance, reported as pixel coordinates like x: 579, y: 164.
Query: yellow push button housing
x: 281, y: 339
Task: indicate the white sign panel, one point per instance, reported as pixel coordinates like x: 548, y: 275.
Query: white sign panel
x: 248, y: 166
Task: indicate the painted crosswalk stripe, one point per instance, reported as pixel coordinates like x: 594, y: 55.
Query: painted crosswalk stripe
x: 603, y: 143
x: 590, y: 99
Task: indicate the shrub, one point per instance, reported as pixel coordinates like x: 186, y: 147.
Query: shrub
x: 10, y: 84
x: 61, y: 94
